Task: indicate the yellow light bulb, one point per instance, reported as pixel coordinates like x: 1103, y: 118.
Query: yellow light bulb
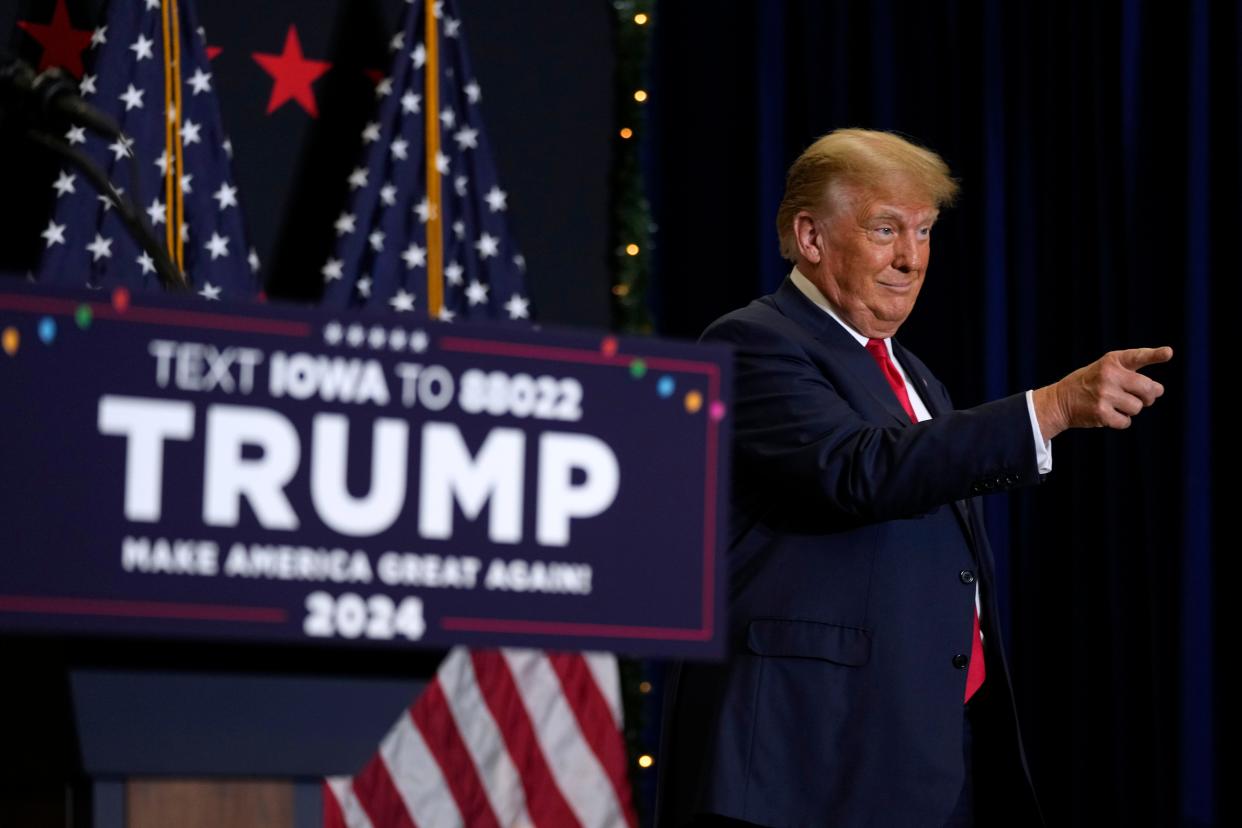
x: 632, y: 249
x: 640, y: 19
x: 645, y: 761
x: 627, y: 133
x: 640, y: 96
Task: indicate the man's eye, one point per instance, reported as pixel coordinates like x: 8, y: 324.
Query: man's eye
x: 884, y: 231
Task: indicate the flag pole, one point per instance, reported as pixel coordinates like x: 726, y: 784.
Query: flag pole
x: 435, y: 225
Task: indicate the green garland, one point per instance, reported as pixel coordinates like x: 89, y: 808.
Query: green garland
x: 631, y: 213
x: 631, y: 239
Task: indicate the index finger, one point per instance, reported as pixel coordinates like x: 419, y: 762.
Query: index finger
x: 1136, y: 358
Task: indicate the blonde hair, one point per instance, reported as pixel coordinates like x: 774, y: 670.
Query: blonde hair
x: 865, y: 158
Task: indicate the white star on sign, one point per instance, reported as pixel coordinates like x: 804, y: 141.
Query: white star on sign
x: 496, y: 199
x: 388, y: 194
x: 415, y: 256
x: 358, y: 178
x: 98, y: 38
x: 332, y: 333
x: 371, y: 133
x: 453, y: 272
x: 518, y: 307
x: 473, y: 93
x: 363, y: 286
x: 64, y: 183
x: 142, y: 47
x: 100, y: 248
x: 476, y: 292
x: 200, y: 81
x: 377, y: 240
x: 332, y: 269
x: 210, y: 292
x: 448, y: 117
x: 411, y: 103
x: 345, y: 224
x: 226, y: 195
x: 146, y: 263
x: 399, y: 149
x: 55, y: 233
x: 445, y: 315
x: 423, y: 210
x: 487, y: 245
x: 76, y: 135
x: 442, y: 163
x: 132, y: 98
x: 402, y: 301
x: 419, y: 56
x: 157, y: 213
x: 218, y: 246
x: 86, y: 86
x: 189, y: 132
x: 467, y: 138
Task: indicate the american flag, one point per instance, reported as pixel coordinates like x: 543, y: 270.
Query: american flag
x: 381, y: 256
x: 85, y: 241
x: 498, y: 738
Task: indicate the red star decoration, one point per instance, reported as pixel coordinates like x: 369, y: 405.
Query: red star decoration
x: 293, y: 74
x: 62, y: 44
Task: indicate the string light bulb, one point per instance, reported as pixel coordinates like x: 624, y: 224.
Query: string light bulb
x: 641, y: 19
x: 640, y: 95
x: 632, y: 249
x: 627, y: 133
x: 645, y: 761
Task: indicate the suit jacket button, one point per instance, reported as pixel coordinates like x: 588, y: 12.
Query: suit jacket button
x: 960, y: 661
x: 967, y: 576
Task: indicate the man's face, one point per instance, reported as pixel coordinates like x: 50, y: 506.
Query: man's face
x: 873, y: 248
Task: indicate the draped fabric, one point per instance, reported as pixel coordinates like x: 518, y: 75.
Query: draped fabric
x: 1098, y: 147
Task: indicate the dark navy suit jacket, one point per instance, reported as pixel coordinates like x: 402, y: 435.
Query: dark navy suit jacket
x: 856, y: 545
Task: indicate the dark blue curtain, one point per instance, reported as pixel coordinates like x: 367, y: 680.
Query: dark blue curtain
x: 1098, y: 147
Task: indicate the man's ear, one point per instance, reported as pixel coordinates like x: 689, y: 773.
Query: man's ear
x: 807, y: 237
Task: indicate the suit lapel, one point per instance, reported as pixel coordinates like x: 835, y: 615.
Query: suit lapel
x: 845, y: 350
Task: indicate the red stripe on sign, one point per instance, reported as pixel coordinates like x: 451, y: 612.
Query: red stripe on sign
x: 434, y: 720
x: 379, y: 797
x: 333, y: 817
x: 544, y: 800
x: 140, y: 609
x: 596, y: 723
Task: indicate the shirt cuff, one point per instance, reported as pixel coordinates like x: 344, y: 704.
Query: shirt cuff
x: 1043, y: 448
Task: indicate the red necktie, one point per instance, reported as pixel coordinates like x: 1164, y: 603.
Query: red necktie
x: 879, y: 352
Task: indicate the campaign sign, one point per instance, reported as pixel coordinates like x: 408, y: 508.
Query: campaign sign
x: 186, y: 469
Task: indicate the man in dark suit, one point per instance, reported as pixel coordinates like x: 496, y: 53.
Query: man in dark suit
x: 866, y: 682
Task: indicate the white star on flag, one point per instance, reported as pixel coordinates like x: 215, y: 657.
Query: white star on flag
x: 100, y: 248
x: 54, y: 234
x: 146, y: 263
x: 467, y: 138
x: 189, y: 132
x: 473, y: 93
x: 156, y: 212
x: 162, y: 163
x: 253, y: 261
x: 411, y: 104
x: 332, y: 269
x: 185, y: 183
x: 86, y: 86
x: 363, y: 286
x: 98, y: 38
x: 445, y: 314
x: 518, y: 307
x: 442, y: 163
x: 132, y: 98
x: 200, y: 81
x: 419, y: 56
x: 217, y: 245
x: 142, y: 48
x: 358, y: 178
x: 399, y: 149
x: 459, y: 185
x: 371, y: 133
x: 376, y: 240
x: 76, y: 135
x: 121, y: 148
x: 487, y: 245
x: 451, y: 27
x: 388, y: 194
x: 476, y: 292
x: 415, y: 256
x: 452, y: 272
x: 402, y: 301
x: 226, y: 195
x: 210, y: 292
x: 106, y: 200
x: 496, y: 199
x: 64, y: 183
x: 423, y: 210
x: 397, y: 42
x: 448, y: 118
x: 384, y: 88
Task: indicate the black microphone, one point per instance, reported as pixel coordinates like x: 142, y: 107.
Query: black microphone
x: 51, y: 97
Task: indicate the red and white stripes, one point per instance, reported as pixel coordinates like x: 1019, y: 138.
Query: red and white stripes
x: 498, y: 738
